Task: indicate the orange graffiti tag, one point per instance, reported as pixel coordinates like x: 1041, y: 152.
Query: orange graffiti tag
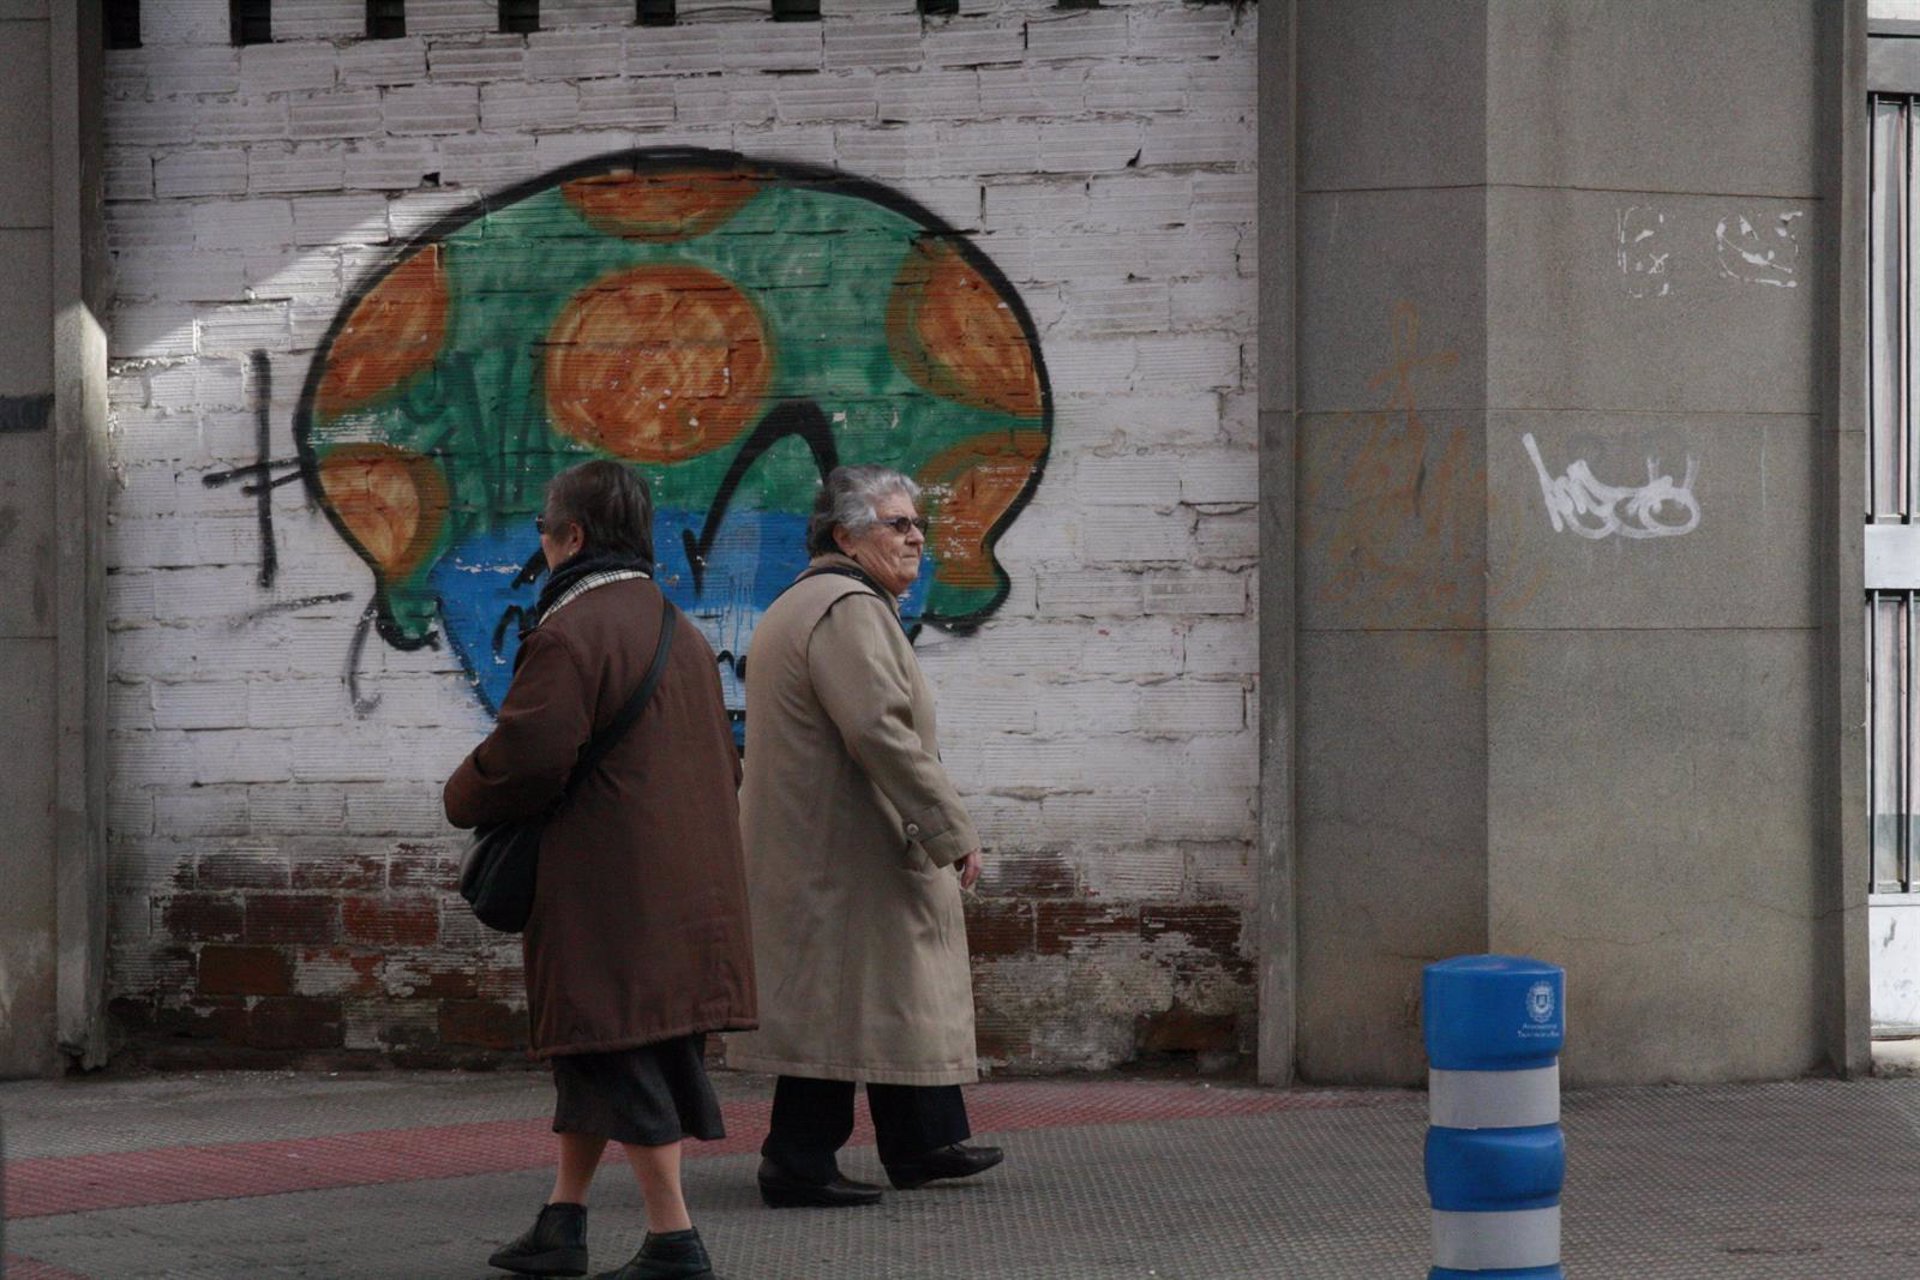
x: 395, y: 332
x: 949, y: 328
x: 968, y: 489
x: 657, y: 364
x: 1405, y: 539
x: 392, y: 502
x: 661, y: 207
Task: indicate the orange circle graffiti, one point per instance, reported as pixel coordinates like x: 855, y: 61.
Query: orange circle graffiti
x: 968, y: 488
x: 392, y: 502
x: 661, y: 207
x: 953, y: 333
x: 657, y: 364
x: 395, y: 332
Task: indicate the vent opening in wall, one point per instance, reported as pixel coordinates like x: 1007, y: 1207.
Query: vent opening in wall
x: 122, y: 23
x: 519, y: 16
x: 250, y: 21
x: 386, y: 19
x: 939, y: 6
x: 796, y: 10
x: 655, y: 13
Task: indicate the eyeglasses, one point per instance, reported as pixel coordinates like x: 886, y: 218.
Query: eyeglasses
x: 900, y: 524
x: 544, y: 526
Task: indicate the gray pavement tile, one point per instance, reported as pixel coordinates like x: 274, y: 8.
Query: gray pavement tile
x: 1813, y: 1180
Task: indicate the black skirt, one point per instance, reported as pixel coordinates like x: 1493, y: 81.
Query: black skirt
x: 645, y: 1097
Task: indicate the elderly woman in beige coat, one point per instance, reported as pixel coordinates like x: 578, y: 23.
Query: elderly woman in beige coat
x: 857, y: 849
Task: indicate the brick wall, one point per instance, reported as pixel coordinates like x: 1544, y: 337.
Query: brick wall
x: 281, y: 872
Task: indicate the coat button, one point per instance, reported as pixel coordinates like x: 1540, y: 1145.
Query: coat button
x: 913, y: 829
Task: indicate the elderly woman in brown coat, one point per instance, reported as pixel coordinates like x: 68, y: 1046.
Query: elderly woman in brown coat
x: 638, y: 943
x: 857, y: 850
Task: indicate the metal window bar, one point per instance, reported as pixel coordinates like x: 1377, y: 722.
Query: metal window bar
x: 386, y: 19
x: 1891, y: 497
x: 519, y: 16
x: 250, y: 21
x: 122, y: 24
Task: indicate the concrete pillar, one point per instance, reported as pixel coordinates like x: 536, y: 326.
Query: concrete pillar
x: 52, y: 416
x: 1275, y: 921
x: 1539, y: 247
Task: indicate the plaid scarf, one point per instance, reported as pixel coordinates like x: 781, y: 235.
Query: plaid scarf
x: 580, y: 575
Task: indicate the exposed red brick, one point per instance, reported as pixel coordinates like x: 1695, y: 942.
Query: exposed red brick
x: 444, y: 981
x: 1214, y: 927
x: 1181, y: 1030
x: 1060, y: 924
x: 296, y: 1022
x: 423, y: 866
x: 484, y: 1024
x: 244, y: 971
x: 131, y: 1015
x: 999, y: 927
x: 341, y: 971
x: 339, y: 871
x: 1000, y: 1038
x: 1029, y: 875
x: 210, y: 1019
x: 410, y: 921
x: 203, y: 917
x: 241, y: 871
x: 308, y: 918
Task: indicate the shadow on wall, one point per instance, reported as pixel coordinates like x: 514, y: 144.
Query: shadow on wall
x: 733, y: 327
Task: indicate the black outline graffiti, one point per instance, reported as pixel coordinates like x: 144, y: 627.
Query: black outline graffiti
x: 288, y: 606
x: 356, y: 649
x: 262, y: 481
x: 800, y: 418
x: 781, y: 419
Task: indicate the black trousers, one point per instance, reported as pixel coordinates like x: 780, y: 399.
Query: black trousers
x: 812, y: 1120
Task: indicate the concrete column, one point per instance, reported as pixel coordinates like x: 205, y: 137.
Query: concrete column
x: 1552, y: 701
x: 1391, y: 596
x: 52, y: 413
x: 1276, y: 931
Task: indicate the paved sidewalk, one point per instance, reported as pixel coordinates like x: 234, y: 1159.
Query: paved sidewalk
x: 419, y: 1175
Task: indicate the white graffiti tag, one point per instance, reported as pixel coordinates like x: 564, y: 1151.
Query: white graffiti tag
x: 1756, y: 256
x: 1643, y: 261
x: 1579, y: 502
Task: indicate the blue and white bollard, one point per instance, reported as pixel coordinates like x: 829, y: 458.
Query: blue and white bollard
x: 1496, y: 1158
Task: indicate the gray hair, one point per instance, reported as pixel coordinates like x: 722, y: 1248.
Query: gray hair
x: 847, y: 501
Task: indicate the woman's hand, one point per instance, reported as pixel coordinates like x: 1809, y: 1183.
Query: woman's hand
x: 968, y: 865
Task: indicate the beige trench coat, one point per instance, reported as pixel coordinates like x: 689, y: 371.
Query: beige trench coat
x: 851, y: 827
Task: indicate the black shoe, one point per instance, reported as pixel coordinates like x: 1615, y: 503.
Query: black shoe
x: 672, y: 1255
x: 956, y: 1161
x: 556, y: 1244
x: 782, y: 1190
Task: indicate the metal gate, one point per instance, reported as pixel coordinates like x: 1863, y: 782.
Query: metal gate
x: 1892, y: 539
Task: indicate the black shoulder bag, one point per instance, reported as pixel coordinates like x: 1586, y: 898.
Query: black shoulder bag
x: 502, y: 861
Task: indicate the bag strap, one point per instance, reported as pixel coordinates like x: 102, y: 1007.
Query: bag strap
x: 842, y: 571
x: 608, y: 738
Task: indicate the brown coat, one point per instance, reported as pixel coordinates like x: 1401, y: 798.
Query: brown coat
x: 851, y: 827
x: 639, y: 930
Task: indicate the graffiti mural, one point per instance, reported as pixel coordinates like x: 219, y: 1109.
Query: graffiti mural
x: 732, y: 327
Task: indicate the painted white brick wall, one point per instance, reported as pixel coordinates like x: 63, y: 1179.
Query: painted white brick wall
x: 1100, y: 722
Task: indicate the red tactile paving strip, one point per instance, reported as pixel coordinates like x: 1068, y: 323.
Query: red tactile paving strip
x: 176, y: 1175
x: 19, y: 1268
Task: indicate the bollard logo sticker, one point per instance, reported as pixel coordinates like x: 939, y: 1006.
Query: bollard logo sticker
x: 1540, y: 1002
